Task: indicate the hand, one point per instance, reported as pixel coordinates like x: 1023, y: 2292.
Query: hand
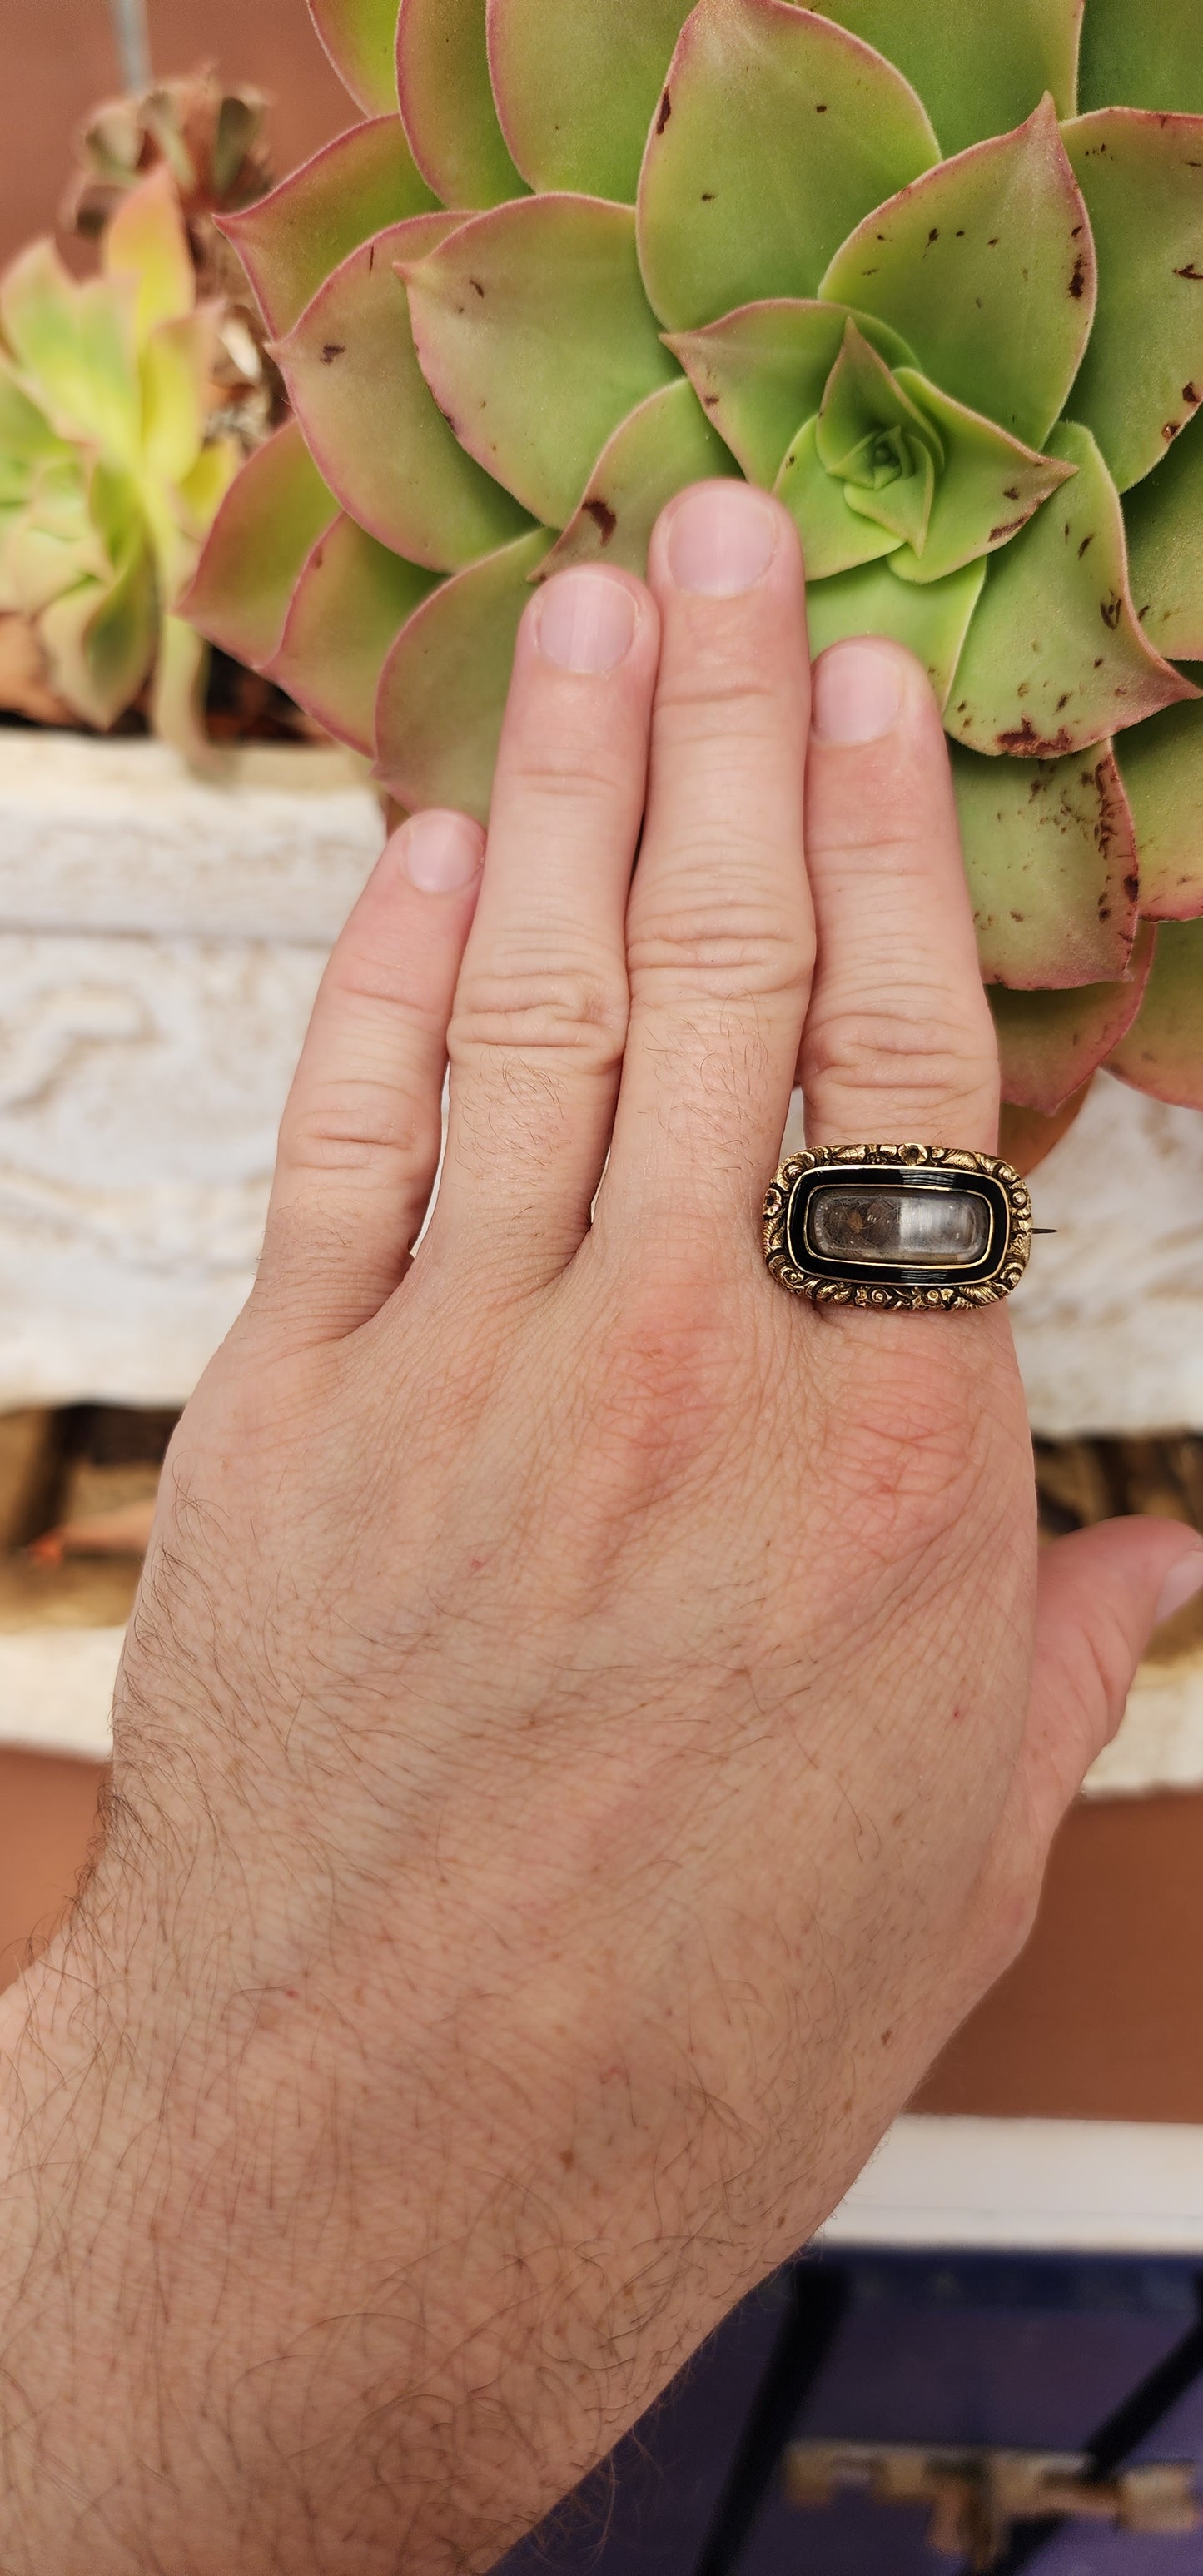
x: 591, y: 1726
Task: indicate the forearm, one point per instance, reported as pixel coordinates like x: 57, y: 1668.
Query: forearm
x: 232, y: 2337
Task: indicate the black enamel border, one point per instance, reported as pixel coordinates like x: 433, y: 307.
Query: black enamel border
x: 882, y: 1274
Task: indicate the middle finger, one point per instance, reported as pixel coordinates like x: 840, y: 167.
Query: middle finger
x: 720, y: 934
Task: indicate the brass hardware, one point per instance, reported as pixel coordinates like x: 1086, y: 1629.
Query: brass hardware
x: 976, y: 2497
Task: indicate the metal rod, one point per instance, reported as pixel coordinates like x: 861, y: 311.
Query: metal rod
x: 133, y: 42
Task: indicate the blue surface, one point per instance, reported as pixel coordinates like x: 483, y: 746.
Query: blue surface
x: 1024, y: 2352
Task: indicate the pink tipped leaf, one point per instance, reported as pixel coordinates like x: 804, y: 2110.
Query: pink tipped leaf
x: 663, y: 445
x: 147, y: 243
x: 1050, y: 854
x: 1142, y: 376
x: 290, y: 241
x: 1164, y: 520
x: 444, y: 686
x: 577, y: 84
x: 535, y: 338
x: 1026, y: 1137
x: 267, y: 525
x: 369, y: 417
x: 986, y: 267
x: 358, y: 36
x: 1162, y: 764
x: 1055, y: 658
x: 776, y: 132
x: 442, y: 74
x: 351, y: 601
x: 978, y: 70
x: 1160, y: 1053
x: 1049, y: 1044
x: 762, y: 370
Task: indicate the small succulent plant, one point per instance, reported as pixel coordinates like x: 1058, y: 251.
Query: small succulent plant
x: 932, y: 270
x: 110, y: 465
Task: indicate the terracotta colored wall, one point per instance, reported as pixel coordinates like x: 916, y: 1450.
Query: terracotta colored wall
x: 57, y: 58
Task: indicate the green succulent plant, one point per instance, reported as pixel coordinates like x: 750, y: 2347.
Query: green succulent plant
x: 110, y: 467
x: 932, y: 270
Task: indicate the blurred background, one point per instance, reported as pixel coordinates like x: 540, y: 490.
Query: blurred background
x: 58, y: 58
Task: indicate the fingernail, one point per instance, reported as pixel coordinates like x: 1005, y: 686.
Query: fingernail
x: 857, y: 693
x: 1181, y: 1584
x: 586, y: 622
x: 440, y: 853
x: 721, y: 540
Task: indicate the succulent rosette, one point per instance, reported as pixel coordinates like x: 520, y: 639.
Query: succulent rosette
x: 112, y: 463
x: 931, y: 270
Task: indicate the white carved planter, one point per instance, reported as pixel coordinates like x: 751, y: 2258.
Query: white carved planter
x: 161, y: 940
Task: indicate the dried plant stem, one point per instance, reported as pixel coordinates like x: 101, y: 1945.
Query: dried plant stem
x: 133, y: 42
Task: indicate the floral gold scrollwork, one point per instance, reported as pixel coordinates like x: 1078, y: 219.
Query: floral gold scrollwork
x: 916, y: 1298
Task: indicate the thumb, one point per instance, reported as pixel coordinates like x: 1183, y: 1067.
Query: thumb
x: 1100, y: 1595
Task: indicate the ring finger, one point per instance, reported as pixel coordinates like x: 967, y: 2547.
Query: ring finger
x: 898, y: 1041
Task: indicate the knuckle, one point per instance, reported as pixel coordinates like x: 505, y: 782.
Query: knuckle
x: 736, y: 951
x: 710, y: 694
x: 565, y: 769
x: 867, y: 1046
x: 360, y: 1121
x: 533, y: 1010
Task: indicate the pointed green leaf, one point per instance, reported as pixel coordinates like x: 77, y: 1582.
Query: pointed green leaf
x: 74, y: 345
x: 358, y: 36
x: 577, y: 84
x: 268, y: 522
x: 1055, y: 659
x: 931, y: 618
x: 775, y: 134
x: 54, y: 542
x: 1050, y: 854
x: 834, y: 538
x: 762, y: 369
x: 1142, y: 375
x: 986, y: 267
x: 25, y: 433
x: 447, y: 102
x: 1164, y: 520
x: 444, y: 686
x: 1162, y: 1051
x: 535, y: 338
x: 289, y: 242
x: 1049, y: 1044
x: 871, y: 436
x: 371, y: 421
x: 177, y: 699
x: 989, y: 486
x: 177, y: 372
x: 661, y: 447
x: 147, y: 242
x: 100, y: 640
x: 978, y: 73
x: 351, y: 601
x: 1162, y: 765
x: 1142, y: 53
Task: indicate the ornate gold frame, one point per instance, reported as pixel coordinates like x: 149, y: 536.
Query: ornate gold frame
x: 944, y: 1298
